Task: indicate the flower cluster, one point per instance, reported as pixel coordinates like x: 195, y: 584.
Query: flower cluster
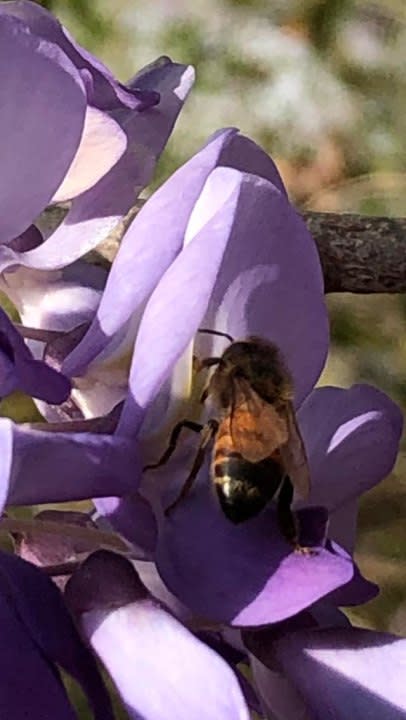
x: 192, y: 616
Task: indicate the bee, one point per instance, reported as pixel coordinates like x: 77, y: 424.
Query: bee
x: 257, y: 450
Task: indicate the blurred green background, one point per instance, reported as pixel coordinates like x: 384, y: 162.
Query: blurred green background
x: 321, y: 84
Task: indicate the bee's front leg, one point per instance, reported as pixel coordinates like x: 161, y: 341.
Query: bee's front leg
x: 287, y: 519
x: 207, y: 434
x: 173, y: 441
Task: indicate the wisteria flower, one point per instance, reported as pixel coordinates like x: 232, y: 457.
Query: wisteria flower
x: 86, y: 137
x: 218, y: 246
x: 270, y: 286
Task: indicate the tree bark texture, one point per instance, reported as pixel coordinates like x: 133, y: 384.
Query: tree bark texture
x: 360, y: 253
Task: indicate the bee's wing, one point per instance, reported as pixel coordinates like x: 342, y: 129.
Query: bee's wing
x: 256, y: 428
x: 294, y: 457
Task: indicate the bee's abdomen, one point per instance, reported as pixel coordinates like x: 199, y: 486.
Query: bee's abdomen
x: 244, y: 488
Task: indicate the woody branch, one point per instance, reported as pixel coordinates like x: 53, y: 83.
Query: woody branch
x: 359, y: 253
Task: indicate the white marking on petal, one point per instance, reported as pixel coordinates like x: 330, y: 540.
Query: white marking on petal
x: 102, y: 144
x: 352, y: 426
x: 186, y: 82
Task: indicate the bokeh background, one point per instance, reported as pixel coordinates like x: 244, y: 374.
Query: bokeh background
x: 321, y: 84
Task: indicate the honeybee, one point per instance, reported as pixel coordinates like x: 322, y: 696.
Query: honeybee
x: 257, y: 449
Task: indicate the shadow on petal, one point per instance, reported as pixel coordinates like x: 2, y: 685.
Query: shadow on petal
x: 347, y: 673
x: 162, y: 671
x: 351, y: 438
x: 244, y: 575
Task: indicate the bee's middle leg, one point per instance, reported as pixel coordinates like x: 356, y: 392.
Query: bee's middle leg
x: 287, y: 519
x: 208, y: 433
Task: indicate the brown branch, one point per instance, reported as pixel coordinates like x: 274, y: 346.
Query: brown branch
x: 359, y: 253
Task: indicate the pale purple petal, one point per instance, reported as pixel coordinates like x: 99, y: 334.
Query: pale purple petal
x: 244, y: 575
x: 40, y: 130
x: 105, y: 92
x: 160, y: 669
x: 347, y: 673
x: 187, y: 284
x: 48, y: 625
x: 351, y: 438
x: 44, y: 467
x: 95, y: 213
x: 271, y: 285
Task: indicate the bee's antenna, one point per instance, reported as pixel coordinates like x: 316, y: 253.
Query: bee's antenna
x: 216, y: 332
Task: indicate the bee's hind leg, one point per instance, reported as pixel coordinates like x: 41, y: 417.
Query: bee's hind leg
x: 287, y: 519
x: 208, y: 433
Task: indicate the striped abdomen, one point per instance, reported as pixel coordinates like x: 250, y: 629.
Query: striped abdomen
x: 243, y: 487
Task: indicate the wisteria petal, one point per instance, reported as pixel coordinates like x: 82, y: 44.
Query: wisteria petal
x: 271, y: 285
x: 279, y: 698
x: 343, y: 525
x: 347, y: 673
x: 357, y: 591
x: 57, y: 300
x: 243, y: 240
x: 140, y: 263
x: 351, y: 438
x: 102, y: 144
x: 150, y: 577
x: 202, y: 558
x: 161, y: 670
x: 96, y: 212
x: 19, y: 370
x: 242, y: 153
x: 133, y: 519
x: 44, y: 467
x: 20, y: 697
x: 187, y: 284
x: 46, y: 626
x: 62, y: 301
x: 40, y: 129
x: 104, y: 91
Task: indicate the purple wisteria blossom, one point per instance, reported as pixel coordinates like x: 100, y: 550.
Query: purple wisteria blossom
x: 208, y: 572
x: 86, y: 137
x: 219, y: 246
